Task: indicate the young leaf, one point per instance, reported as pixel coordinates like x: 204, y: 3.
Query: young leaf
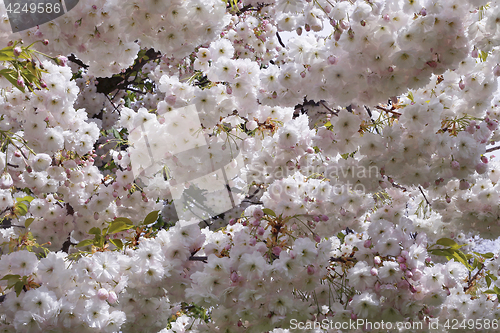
x: 152, y: 217
x: 85, y: 242
x: 117, y: 242
x: 119, y: 226
x: 446, y: 242
x: 28, y: 222
x: 95, y: 231
x: 269, y: 212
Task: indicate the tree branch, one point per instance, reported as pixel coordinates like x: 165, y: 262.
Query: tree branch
x: 421, y: 191
x: 489, y: 150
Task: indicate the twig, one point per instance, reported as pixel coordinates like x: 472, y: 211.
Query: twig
x: 193, y: 258
x: 386, y: 110
x: 279, y: 40
x: 77, y: 61
x: 329, y: 109
x: 421, y: 191
x: 471, y: 281
x: 489, y: 150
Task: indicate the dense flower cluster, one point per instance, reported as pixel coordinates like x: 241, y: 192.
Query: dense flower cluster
x: 361, y: 161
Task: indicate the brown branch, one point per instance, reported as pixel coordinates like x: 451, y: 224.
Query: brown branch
x: 470, y: 284
x: 107, y: 85
x: 386, y: 110
x: 421, y: 191
x: 489, y: 150
x: 193, y: 258
x: 77, y: 61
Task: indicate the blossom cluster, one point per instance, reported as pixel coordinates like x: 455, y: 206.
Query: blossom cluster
x: 366, y: 166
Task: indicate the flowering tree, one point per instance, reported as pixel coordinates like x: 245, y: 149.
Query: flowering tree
x: 364, y: 173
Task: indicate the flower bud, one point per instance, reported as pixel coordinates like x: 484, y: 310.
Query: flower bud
x: 374, y: 271
x: 112, y: 297
x: 455, y: 165
x: 377, y: 260
x: 311, y: 270
x: 102, y: 294
x: 461, y: 85
x: 17, y: 51
x: 464, y: 185
x: 474, y: 53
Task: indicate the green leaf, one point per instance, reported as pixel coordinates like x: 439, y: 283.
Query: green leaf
x: 442, y: 252
x: 269, y: 212
x: 11, y: 279
x: 28, y: 222
x: 118, y: 226
x: 18, y: 288
x: 11, y: 76
x: 123, y: 219
x: 27, y: 198
x: 5, y: 57
x: 488, y: 281
x: 21, y: 208
x: 488, y: 255
x: 117, y: 242
x: 151, y: 217
x: 117, y: 134
x: 496, y: 289
x: 446, y: 242
x: 85, y: 242
x: 95, y: 231
x: 489, y: 292
x: 460, y: 257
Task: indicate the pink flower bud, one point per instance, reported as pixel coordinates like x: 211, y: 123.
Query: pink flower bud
x: 423, y: 12
x: 112, y: 297
x: 232, y: 221
x: 316, y: 218
x: 61, y: 60
x: 102, y: 294
x: 299, y: 31
x: 20, y: 81
x: 455, y: 165
x: 484, y: 159
x: 367, y: 243
x: 311, y: 270
x: 260, y: 231
x: 316, y: 238
x: 448, y: 200
x: 428, y: 260
x: 408, y: 274
x: 45, y: 42
x: 332, y: 60
x: 464, y: 185
x: 461, y: 85
x: 17, y: 51
x: 276, y: 251
x: 303, y: 74
x: 324, y: 218
x: 377, y: 260
x: 310, y: 150
x: 96, y: 216
x: 400, y: 259
x: 481, y: 168
x: 403, y: 267
x: 474, y: 53
x: 373, y: 271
